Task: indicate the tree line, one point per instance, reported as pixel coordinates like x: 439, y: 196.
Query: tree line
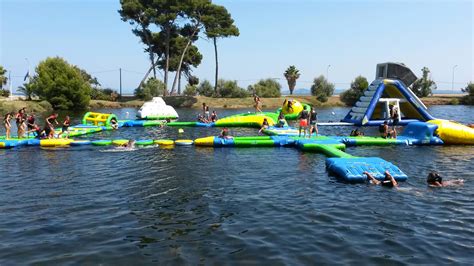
x: 169, y: 30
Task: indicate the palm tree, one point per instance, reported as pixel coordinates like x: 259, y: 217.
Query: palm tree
x: 291, y: 75
x: 27, y: 90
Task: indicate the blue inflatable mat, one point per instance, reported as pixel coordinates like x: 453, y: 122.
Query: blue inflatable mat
x: 200, y: 124
x: 223, y: 142
x: 352, y: 169
x: 283, y: 141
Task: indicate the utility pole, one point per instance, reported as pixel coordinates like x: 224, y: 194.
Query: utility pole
x: 120, y: 73
x: 327, y: 72
x: 452, y: 83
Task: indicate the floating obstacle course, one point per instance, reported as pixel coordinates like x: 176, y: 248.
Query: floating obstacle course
x: 373, y: 108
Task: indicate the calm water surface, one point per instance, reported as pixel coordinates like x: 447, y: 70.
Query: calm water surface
x: 191, y: 205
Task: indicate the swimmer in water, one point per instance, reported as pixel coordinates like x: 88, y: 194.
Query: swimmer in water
x: 389, y: 180
x: 129, y: 145
x: 435, y: 180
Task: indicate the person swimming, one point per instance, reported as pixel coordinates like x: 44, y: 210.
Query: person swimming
x: 436, y: 180
x: 389, y: 180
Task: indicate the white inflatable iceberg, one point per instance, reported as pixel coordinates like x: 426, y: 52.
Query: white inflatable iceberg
x: 156, y: 109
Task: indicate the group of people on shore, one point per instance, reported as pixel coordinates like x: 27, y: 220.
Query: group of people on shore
x: 26, y: 124
x: 206, y: 116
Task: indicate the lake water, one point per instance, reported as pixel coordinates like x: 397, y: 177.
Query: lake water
x: 192, y: 205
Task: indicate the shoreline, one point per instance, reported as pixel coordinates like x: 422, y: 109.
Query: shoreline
x: 197, y: 101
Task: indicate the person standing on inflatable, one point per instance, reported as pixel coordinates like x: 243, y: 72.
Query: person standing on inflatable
x: 303, y: 117
x: 257, y: 103
x: 313, y: 121
x: 395, y: 119
x: 49, y: 128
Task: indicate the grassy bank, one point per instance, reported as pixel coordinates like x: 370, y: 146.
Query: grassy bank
x: 334, y: 101
x: 234, y: 103
x: 197, y: 101
x: 31, y: 106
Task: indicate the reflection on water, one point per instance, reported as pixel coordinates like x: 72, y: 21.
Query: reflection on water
x: 197, y: 205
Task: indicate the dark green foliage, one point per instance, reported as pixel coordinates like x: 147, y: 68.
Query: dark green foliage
x: 61, y: 84
x: 423, y: 86
x: 3, y: 77
x: 106, y: 94
x: 27, y: 89
x: 193, y: 80
x: 291, y: 74
x: 151, y: 88
x: 205, y: 89
x: 358, y: 86
x: 230, y: 89
x: 469, y: 99
x: 322, y: 89
x: 266, y: 88
x: 4, y: 93
x: 190, y: 90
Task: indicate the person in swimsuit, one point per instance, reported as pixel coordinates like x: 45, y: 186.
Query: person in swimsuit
x: 281, y: 119
x: 202, y: 119
x: 356, y: 133
x: 303, y: 117
x: 313, y: 121
x: 290, y: 106
x: 435, y: 180
x: 213, y: 117
x: 257, y: 103
x: 114, y: 123
x: 65, y: 128
x: 20, y: 122
x: 225, y: 134
x: 395, y: 119
x: 205, y: 111
x: 49, y: 128
x: 8, y: 125
x: 39, y: 134
x: 265, y: 125
x: 389, y: 180
x: 385, y: 131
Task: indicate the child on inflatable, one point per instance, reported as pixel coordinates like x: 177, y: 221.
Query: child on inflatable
x: 225, y: 134
x: 281, y: 119
x: 303, y: 117
x: 313, y: 122
x: 265, y: 125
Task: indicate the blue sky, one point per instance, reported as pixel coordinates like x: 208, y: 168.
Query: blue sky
x: 351, y: 36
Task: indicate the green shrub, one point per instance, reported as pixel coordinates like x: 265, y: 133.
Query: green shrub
x: 230, y: 89
x: 358, y: 86
x: 469, y: 99
x: 152, y: 88
x: 205, y: 89
x: 322, y: 89
x: 190, y: 90
x: 266, y: 88
x: 4, y: 93
x: 61, y: 84
x: 103, y: 94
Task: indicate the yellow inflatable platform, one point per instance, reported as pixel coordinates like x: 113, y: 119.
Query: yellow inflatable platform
x: 296, y: 107
x: 55, y: 142
x: 453, y: 133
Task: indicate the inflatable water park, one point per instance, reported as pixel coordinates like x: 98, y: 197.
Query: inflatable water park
x: 388, y: 90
